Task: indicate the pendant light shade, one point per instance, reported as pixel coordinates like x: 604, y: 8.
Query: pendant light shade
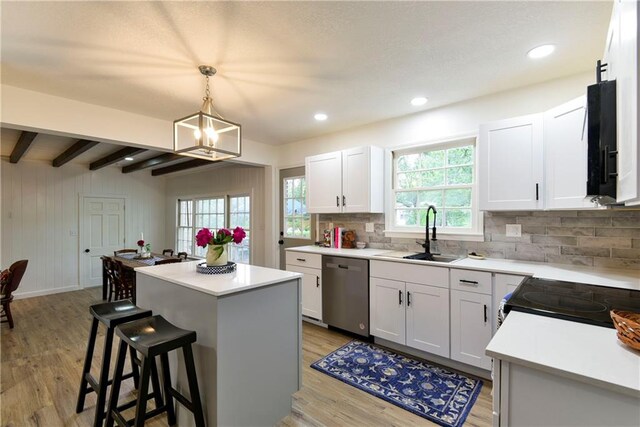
x: 206, y: 134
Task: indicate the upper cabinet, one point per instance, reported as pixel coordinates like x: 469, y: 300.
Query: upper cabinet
x: 510, y: 169
x: 621, y: 55
x: 345, y: 181
x: 565, y: 156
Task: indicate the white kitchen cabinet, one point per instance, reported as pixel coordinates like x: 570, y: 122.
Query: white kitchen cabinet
x: 387, y: 310
x: 309, y: 265
x: 471, y: 315
x: 565, y: 156
x: 345, y: 181
x: 502, y: 285
x: 510, y: 169
x: 427, y: 322
x: 621, y: 55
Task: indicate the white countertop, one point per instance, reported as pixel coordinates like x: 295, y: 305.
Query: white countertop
x: 244, y: 278
x: 617, y: 278
x: 587, y: 353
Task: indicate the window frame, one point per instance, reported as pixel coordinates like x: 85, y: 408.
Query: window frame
x: 227, y: 217
x: 284, y: 208
x: 474, y: 233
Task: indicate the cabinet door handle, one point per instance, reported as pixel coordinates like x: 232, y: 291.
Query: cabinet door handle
x: 485, y: 313
x: 537, y: 191
x: 301, y: 259
x: 317, y: 282
x: 344, y: 200
x: 408, y: 298
x: 470, y: 282
x: 337, y: 201
x: 399, y: 297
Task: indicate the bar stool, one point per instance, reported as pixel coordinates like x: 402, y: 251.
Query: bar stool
x: 155, y: 336
x: 110, y: 314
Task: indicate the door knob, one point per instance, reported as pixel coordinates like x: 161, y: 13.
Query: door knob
x: 86, y: 251
x: 281, y: 241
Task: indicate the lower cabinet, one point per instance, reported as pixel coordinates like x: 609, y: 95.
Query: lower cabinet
x: 471, y: 327
x: 502, y: 285
x: 311, y: 290
x: 410, y: 314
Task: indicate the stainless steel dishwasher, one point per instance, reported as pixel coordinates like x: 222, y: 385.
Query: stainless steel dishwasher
x: 345, y: 294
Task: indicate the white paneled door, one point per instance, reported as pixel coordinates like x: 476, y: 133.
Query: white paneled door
x: 101, y: 233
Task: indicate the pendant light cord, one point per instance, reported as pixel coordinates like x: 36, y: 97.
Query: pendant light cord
x: 207, y: 96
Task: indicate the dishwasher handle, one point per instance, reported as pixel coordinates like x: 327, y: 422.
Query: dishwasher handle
x: 342, y: 266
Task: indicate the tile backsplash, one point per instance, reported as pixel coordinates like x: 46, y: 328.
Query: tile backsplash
x: 602, y: 238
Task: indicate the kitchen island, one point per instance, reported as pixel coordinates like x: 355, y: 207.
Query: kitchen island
x: 248, y: 351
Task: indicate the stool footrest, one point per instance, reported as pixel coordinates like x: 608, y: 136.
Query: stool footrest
x: 180, y: 398
x: 93, y: 384
x: 119, y: 419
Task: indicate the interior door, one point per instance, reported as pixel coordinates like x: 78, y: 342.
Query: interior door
x: 297, y: 226
x: 101, y: 233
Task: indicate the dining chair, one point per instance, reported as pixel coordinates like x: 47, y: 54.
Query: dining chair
x: 182, y: 255
x: 124, y: 251
x: 16, y: 271
x: 107, y: 268
x: 168, y: 261
x: 167, y: 252
x: 123, y: 284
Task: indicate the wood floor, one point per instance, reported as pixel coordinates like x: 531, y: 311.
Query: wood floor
x: 42, y: 357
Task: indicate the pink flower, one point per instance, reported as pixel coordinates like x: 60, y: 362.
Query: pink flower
x: 203, y: 237
x: 141, y: 243
x: 224, y: 231
x: 238, y: 235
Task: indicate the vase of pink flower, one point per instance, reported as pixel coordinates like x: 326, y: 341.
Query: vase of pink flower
x: 217, y: 252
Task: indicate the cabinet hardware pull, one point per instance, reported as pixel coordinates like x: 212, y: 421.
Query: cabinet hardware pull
x: 485, y: 313
x: 317, y: 282
x: 344, y: 201
x: 301, y: 259
x: 337, y: 201
x: 346, y: 267
x: 471, y: 282
x: 408, y: 298
x: 537, y: 191
x: 399, y: 297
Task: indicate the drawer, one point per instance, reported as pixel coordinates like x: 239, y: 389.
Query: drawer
x: 471, y: 281
x: 304, y: 259
x: 405, y: 272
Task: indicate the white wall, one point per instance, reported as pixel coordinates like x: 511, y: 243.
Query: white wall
x: 39, y: 213
x: 231, y: 179
x: 441, y: 123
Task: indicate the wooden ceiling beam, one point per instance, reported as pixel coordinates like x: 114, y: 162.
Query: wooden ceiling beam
x: 72, y: 152
x: 154, y: 161
x: 182, y: 166
x: 115, y: 157
x: 25, y: 140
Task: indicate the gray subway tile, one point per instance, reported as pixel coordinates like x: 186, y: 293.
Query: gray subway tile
x: 605, y: 242
x: 539, y: 220
x: 618, y: 232
x: 576, y: 250
x: 626, y: 222
x: 570, y: 231
x: 555, y: 240
x: 586, y: 222
x: 617, y: 263
x: 625, y: 253
x: 525, y: 238
x: 570, y: 259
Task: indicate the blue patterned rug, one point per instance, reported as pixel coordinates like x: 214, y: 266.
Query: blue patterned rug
x: 434, y: 393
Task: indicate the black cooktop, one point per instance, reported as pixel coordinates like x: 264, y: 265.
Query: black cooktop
x: 578, y: 302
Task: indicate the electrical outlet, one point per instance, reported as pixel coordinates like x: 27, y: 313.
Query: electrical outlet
x: 368, y: 227
x: 513, y: 230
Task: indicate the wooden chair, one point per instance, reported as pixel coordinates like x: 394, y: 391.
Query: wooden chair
x: 182, y: 255
x: 16, y: 271
x: 107, y: 268
x: 124, y: 286
x: 124, y: 251
x: 168, y: 261
x: 167, y: 252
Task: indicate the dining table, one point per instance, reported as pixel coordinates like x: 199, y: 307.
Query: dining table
x: 130, y: 261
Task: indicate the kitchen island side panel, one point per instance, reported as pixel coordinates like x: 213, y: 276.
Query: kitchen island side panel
x: 262, y: 321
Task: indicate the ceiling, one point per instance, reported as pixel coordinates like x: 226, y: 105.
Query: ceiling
x: 281, y: 62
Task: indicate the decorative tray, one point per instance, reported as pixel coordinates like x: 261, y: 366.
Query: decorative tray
x: 202, y: 268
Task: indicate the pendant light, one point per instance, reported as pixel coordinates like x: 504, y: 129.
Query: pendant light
x: 206, y: 134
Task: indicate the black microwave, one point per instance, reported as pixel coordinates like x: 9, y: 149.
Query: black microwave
x: 601, y: 140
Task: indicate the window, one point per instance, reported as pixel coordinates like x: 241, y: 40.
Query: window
x: 296, y: 219
x: 441, y: 175
x: 214, y: 213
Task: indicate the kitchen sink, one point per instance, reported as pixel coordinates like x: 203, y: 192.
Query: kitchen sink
x: 428, y: 257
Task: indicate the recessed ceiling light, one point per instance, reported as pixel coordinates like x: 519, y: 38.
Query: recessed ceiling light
x: 418, y: 101
x: 541, y: 51
x: 129, y: 159
x: 321, y: 117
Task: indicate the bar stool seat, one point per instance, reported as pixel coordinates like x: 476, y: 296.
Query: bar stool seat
x: 155, y: 336
x: 110, y: 314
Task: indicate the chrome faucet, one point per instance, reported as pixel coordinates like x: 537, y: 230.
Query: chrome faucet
x: 427, y: 244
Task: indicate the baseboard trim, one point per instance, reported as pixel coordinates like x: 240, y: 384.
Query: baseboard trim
x: 44, y: 292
